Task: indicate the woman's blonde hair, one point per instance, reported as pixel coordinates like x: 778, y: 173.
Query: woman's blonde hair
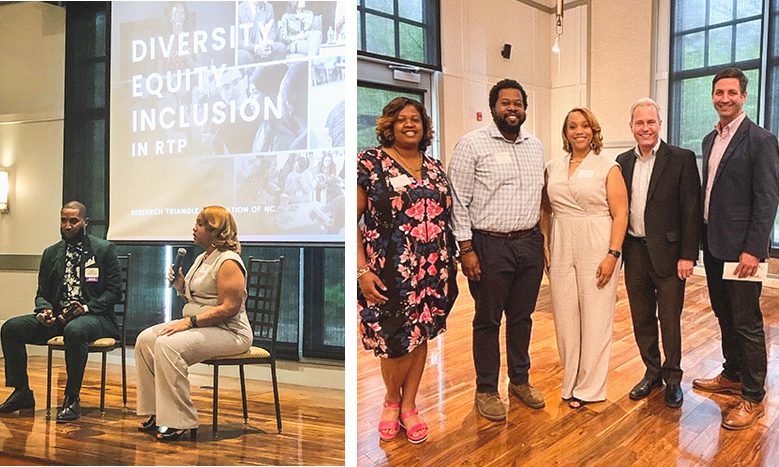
x: 219, y: 221
x: 597, y: 139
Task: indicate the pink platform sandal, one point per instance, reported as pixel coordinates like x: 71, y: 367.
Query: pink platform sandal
x: 388, y: 430
x: 417, y: 433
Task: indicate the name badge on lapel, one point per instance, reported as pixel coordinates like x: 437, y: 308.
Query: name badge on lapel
x: 586, y: 173
x: 400, y: 181
x: 91, y: 274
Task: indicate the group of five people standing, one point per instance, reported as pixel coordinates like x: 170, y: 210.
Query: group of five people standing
x: 513, y: 216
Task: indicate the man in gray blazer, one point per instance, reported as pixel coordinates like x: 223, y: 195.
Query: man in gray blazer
x: 660, y: 247
x: 740, y: 196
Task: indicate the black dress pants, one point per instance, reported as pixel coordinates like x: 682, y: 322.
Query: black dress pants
x: 736, y: 305
x: 511, y: 272
x: 654, y: 299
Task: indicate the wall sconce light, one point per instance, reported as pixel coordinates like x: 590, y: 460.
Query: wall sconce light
x: 3, y: 191
x: 559, y: 25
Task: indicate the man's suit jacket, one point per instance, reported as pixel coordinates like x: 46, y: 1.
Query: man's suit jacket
x: 673, y: 206
x: 245, y: 15
x: 745, y: 193
x: 99, y: 296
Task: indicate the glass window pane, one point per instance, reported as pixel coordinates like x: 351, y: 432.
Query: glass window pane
x: 412, y: 9
x: 359, y: 32
x: 382, y: 5
x: 335, y: 297
x: 746, y: 8
x: 412, y: 43
x: 698, y: 116
x: 370, y: 102
x: 748, y: 41
x: 690, y: 14
x: 691, y: 55
x: 720, y: 48
x: 100, y: 34
x: 720, y: 11
x: 380, y: 35
x: 753, y: 93
x: 96, y: 96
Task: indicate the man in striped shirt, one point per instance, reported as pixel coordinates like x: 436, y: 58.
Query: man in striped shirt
x: 497, y: 175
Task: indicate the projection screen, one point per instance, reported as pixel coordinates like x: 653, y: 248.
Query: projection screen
x: 239, y: 104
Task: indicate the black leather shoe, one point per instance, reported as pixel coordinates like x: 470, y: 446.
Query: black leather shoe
x: 674, y: 396
x: 644, y: 388
x: 71, y: 409
x: 20, y: 399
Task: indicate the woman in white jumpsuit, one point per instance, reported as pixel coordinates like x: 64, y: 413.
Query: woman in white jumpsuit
x: 586, y: 215
x: 214, y: 325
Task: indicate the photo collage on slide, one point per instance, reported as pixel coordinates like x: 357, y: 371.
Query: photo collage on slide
x: 233, y: 103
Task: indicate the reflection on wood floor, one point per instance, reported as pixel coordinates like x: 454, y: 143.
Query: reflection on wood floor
x: 617, y: 432
x: 312, y: 420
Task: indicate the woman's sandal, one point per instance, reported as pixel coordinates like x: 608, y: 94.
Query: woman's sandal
x: 575, y: 403
x: 388, y: 430
x: 417, y: 433
x: 172, y: 434
x: 149, y: 425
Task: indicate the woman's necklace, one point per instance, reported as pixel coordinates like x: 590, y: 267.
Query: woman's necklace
x: 417, y: 172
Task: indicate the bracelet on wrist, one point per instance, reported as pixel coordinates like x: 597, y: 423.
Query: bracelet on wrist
x: 365, y: 269
x: 465, y: 250
x: 193, y: 321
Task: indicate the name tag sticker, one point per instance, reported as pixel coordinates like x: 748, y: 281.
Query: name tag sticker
x: 502, y: 157
x: 91, y: 274
x: 586, y: 173
x: 400, y: 181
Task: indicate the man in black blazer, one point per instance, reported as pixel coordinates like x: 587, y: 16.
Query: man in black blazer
x: 740, y: 196
x: 78, y: 284
x: 661, y: 246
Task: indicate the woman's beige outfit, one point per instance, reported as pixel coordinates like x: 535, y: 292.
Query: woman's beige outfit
x: 579, y: 241
x: 163, y: 362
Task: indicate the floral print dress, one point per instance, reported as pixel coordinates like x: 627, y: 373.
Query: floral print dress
x: 409, y: 245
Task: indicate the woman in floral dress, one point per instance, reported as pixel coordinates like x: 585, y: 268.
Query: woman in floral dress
x: 405, y: 256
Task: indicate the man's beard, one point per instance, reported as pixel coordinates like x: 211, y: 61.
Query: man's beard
x: 507, y: 127
x: 75, y: 238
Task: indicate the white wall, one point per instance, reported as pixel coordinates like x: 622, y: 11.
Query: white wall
x: 607, y: 61
x: 473, y: 34
x: 32, y: 94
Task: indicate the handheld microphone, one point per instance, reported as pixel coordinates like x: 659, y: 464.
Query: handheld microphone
x: 180, y: 254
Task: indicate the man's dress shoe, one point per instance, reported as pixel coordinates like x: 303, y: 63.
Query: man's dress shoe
x: 71, y: 409
x: 674, y: 396
x: 20, y: 399
x: 644, y: 388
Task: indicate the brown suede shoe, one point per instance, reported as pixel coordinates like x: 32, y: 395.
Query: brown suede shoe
x: 528, y: 394
x: 744, y: 415
x: 718, y: 384
x: 490, y: 406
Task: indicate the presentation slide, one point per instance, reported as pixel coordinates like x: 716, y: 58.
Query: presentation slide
x: 238, y: 104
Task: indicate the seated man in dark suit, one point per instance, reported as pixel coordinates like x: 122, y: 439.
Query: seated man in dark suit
x: 79, y: 282
x: 740, y: 196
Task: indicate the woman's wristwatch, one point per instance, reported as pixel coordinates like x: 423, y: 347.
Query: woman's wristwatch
x: 615, y: 253
x: 193, y: 321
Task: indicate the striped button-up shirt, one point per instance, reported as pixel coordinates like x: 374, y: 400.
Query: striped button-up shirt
x: 496, y: 182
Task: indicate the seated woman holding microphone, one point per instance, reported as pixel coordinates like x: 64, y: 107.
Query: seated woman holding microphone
x: 214, y: 325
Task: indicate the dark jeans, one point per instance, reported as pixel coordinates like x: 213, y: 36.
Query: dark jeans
x: 511, y: 272
x: 653, y: 298
x: 736, y: 305
x: 25, y: 329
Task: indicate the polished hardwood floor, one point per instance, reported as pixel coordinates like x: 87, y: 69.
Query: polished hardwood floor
x: 313, y: 420
x: 617, y: 432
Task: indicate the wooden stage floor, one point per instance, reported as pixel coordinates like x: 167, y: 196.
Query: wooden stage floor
x: 313, y: 420
x: 617, y: 432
